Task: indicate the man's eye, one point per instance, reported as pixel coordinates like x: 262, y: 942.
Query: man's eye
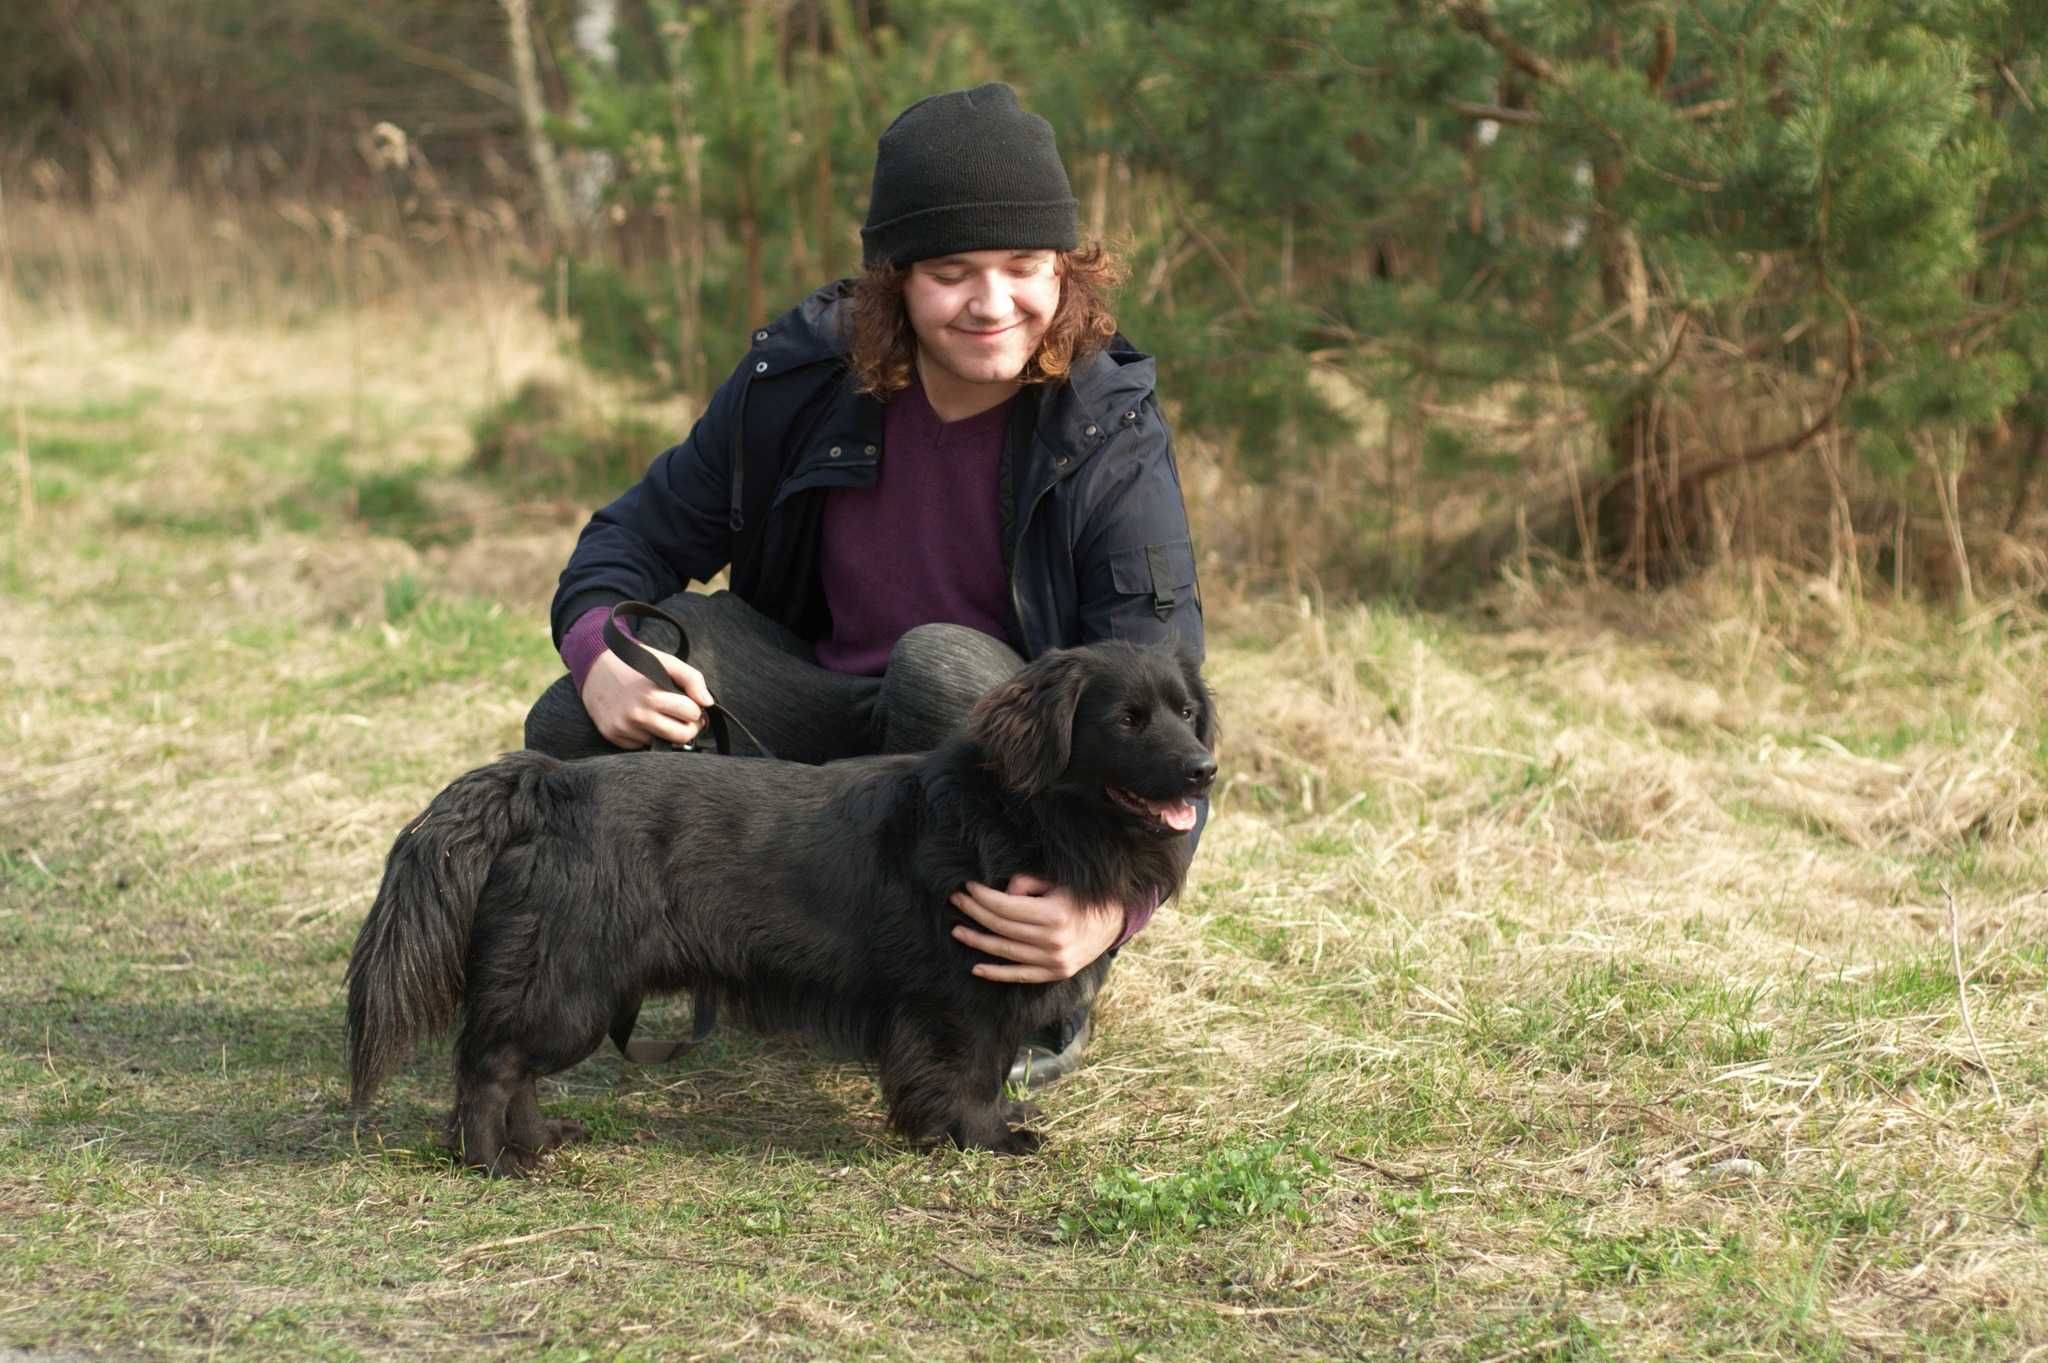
x: 948, y: 279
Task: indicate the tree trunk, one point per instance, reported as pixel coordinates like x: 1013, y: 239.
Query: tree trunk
x: 750, y: 178
x: 685, y: 235
x: 533, y: 114
x: 2026, y: 479
x: 593, y: 29
x: 1641, y: 532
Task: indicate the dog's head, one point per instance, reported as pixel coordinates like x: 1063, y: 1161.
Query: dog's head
x: 1130, y: 729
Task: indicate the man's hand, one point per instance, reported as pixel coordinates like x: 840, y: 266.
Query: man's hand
x: 631, y: 712
x: 1042, y: 929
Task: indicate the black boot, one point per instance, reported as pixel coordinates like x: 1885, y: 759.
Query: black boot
x: 1054, y: 1052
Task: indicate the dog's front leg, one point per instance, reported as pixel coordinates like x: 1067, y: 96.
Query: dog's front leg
x: 943, y: 1082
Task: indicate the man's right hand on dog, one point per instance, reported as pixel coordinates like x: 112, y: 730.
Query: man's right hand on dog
x: 631, y: 712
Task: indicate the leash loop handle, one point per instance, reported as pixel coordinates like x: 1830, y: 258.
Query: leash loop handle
x: 718, y: 720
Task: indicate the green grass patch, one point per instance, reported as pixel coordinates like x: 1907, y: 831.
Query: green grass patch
x: 537, y: 441
x: 90, y: 456
x: 1644, y: 1256
x: 1230, y: 1185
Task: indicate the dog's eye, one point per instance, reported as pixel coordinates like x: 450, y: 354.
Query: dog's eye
x: 1187, y: 712
x: 1130, y: 719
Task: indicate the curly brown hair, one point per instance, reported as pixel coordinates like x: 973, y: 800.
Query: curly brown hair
x: 883, y: 348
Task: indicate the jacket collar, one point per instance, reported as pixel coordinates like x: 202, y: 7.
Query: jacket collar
x: 1102, y: 395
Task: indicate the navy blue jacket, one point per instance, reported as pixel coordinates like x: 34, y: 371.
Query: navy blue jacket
x: 1095, y: 535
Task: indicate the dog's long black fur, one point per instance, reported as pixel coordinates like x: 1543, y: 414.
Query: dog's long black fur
x: 543, y: 899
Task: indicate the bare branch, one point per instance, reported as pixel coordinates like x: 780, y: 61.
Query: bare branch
x: 359, y: 16
x: 1499, y: 113
x: 2013, y: 81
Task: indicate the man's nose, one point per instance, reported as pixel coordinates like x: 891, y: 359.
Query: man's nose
x: 990, y: 299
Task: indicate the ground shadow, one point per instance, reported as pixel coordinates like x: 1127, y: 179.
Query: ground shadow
x: 207, y: 1083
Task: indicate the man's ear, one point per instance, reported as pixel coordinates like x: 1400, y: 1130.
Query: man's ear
x: 1025, y: 727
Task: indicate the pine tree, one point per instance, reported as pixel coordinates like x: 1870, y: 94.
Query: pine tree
x: 1633, y: 206
x: 1724, y: 236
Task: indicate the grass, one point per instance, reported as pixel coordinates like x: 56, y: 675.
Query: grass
x: 1570, y: 978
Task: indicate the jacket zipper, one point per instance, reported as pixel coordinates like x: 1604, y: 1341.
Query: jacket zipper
x: 737, y: 519
x: 1024, y: 523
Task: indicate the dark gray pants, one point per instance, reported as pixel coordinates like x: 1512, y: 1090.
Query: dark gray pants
x: 770, y: 679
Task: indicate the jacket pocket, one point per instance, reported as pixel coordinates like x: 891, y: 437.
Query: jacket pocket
x: 1155, y: 581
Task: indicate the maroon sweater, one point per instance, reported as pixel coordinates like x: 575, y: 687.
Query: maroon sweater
x: 923, y: 545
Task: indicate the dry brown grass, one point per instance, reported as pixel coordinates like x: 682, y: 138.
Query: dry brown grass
x: 1531, y: 919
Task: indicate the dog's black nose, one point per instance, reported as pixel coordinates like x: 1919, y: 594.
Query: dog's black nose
x: 1201, y: 775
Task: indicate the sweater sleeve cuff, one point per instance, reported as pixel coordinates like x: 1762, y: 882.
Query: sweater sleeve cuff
x: 584, y: 643
x: 1136, y: 916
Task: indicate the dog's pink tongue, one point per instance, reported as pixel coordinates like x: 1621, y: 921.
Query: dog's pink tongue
x: 1179, y: 816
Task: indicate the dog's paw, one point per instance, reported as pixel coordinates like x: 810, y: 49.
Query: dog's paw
x: 511, y: 1162
x: 560, y: 1131
x: 1016, y: 1111
x: 1019, y: 1140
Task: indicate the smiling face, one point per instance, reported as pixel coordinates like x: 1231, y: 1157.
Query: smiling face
x: 979, y: 317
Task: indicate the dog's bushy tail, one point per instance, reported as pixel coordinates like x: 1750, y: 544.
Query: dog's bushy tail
x: 405, y: 975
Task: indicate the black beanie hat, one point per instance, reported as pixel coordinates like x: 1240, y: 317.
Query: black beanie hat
x: 967, y: 171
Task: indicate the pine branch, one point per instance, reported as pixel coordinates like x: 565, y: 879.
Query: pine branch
x: 1684, y: 88
x: 2009, y: 226
x: 1500, y: 113
x: 1474, y: 17
x: 1706, y: 108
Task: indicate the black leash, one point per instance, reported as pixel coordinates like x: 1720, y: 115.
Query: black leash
x: 634, y: 654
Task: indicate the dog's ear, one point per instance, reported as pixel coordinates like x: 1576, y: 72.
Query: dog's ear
x: 1025, y: 727
x: 1205, y: 704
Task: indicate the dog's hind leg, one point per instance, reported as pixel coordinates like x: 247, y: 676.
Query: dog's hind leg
x: 526, y: 1129
x: 485, y: 1089
x: 498, y: 1126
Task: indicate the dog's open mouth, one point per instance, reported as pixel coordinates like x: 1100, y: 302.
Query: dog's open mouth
x: 1163, y: 816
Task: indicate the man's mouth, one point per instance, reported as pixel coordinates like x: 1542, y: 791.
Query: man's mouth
x: 1162, y: 816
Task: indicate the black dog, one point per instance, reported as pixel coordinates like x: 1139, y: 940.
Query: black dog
x: 546, y: 898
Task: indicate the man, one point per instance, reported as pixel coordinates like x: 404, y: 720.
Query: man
x: 916, y: 479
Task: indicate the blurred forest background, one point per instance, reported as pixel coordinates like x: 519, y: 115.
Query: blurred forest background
x: 1439, y: 287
